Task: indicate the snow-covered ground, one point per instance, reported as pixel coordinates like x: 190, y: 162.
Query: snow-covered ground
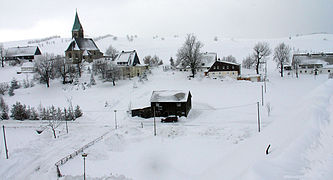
x: 219, y: 139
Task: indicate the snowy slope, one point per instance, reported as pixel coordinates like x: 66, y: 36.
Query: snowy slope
x: 219, y: 139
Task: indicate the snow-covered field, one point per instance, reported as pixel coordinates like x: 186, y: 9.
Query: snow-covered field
x: 219, y: 139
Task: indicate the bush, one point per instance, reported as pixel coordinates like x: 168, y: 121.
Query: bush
x: 3, y: 88
x: 3, y: 109
x: 77, y: 112
x: 19, y: 112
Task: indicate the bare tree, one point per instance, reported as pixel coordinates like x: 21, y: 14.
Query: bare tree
x: 64, y: 69
x: 108, y: 70
x: 112, y: 52
x: 45, y: 68
x: 229, y: 58
x: 2, y: 54
x: 100, y: 67
x: 189, y: 54
x: 112, y: 73
x: 282, y: 55
x: 261, y: 51
x: 248, y: 62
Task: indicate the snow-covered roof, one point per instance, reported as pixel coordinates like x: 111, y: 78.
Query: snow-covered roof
x: 82, y: 44
x: 169, y: 96
x: 23, y: 51
x: 208, y: 59
x: 228, y: 62
x: 126, y: 57
x: 312, y: 61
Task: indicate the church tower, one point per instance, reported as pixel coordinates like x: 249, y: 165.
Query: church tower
x: 77, y: 31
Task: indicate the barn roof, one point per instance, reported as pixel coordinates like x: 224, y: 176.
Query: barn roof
x: 126, y: 57
x: 23, y: 51
x: 169, y: 96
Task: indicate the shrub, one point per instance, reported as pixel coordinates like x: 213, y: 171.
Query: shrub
x: 19, y: 111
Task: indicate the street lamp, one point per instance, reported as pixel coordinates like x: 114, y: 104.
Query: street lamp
x: 84, y: 155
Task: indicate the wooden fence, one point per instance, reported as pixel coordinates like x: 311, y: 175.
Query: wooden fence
x: 63, y: 160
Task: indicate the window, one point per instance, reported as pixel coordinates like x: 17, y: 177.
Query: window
x: 222, y: 67
x: 232, y: 67
x: 227, y: 67
x: 300, y: 72
x: 305, y: 71
x: 179, y: 104
x: 217, y: 67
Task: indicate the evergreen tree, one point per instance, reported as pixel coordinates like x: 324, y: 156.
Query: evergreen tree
x: 14, y: 83
x: 33, y: 114
x: 3, y: 109
x: 172, y: 62
x: 77, y: 112
x: 19, y: 111
x: 11, y: 91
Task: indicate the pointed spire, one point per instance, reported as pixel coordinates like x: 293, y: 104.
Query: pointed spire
x: 77, y: 25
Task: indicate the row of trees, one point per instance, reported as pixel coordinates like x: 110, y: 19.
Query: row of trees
x: 190, y: 55
x: 260, y: 53
x: 22, y: 112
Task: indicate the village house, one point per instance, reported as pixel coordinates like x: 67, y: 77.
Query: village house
x: 20, y: 54
x: 315, y: 63
x: 129, y: 63
x: 165, y: 103
x: 81, y: 48
x: 221, y: 69
x: 171, y: 102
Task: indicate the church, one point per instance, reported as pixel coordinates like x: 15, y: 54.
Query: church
x: 81, y: 48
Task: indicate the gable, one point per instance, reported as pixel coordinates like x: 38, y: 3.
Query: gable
x: 224, y: 66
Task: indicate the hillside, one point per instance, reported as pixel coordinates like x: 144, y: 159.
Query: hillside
x: 219, y: 139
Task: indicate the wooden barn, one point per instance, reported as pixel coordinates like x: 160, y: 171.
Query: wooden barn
x: 171, y: 102
x: 22, y: 53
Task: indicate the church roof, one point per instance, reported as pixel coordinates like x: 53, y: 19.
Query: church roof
x: 77, y: 25
x: 82, y: 44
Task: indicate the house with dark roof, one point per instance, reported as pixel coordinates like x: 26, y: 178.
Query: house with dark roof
x: 22, y: 53
x: 81, y: 48
x: 171, y: 102
x: 129, y: 63
x: 221, y: 69
x: 164, y: 103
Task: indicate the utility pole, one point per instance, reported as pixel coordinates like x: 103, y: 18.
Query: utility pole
x: 4, y: 137
x: 258, y: 117
x: 154, y: 123
x: 115, y: 118
x: 262, y: 95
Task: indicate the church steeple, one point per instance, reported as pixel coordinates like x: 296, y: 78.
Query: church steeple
x: 77, y: 30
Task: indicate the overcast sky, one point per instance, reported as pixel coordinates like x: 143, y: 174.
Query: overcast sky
x: 29, y: 19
